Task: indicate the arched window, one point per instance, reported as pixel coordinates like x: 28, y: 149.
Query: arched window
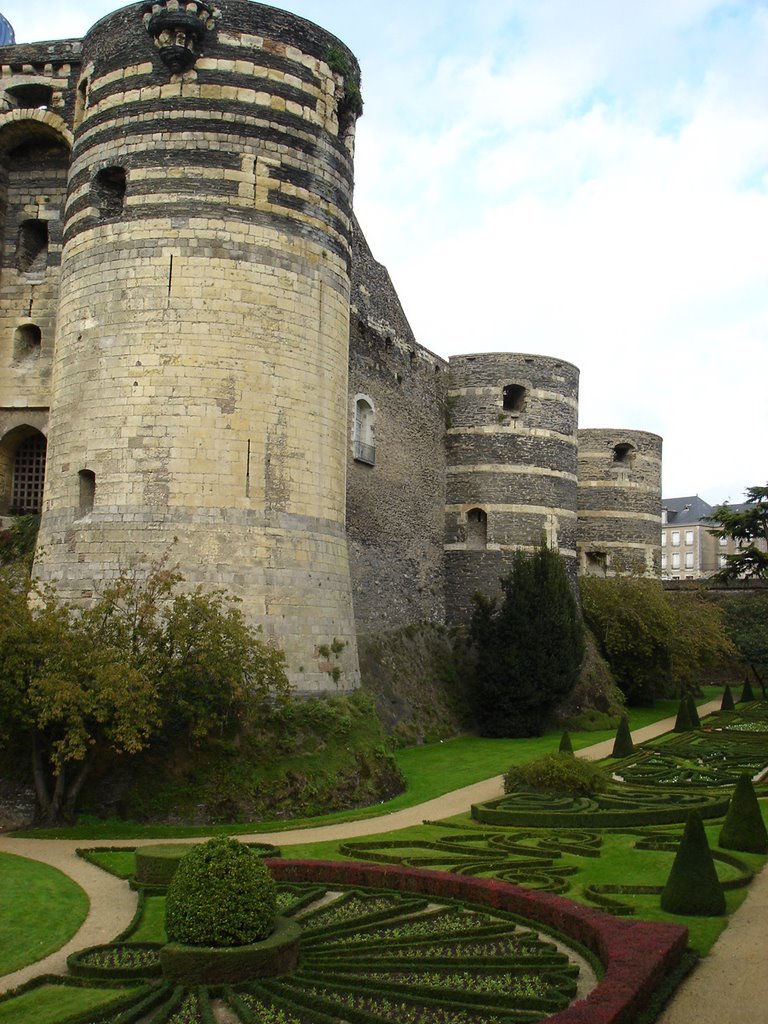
x: 87, y: 480
x: 364, y: 438
x: 28, y: 476
x: 623, y: 453
x: 108, y: 192
x: 513, y: 397
x: 477, y: 529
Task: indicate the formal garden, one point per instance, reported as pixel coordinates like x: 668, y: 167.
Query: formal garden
x: 584, y: 894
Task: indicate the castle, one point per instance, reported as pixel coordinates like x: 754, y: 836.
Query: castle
x: 200, y: 354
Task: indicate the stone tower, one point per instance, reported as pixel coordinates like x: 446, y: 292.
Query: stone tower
x: 199, y: 384
x: 511, y: 475
x: 619, y: 502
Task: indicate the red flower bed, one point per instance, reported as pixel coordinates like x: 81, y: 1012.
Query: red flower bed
x: 636, y: 955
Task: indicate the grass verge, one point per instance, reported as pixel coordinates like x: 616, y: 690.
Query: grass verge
x: 40, y: 910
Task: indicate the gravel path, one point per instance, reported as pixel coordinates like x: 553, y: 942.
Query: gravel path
x: 728, y: 986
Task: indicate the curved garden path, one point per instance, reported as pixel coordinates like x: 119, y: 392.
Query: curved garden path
x: 728, y: 985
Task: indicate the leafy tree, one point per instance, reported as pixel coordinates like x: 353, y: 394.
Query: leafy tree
x: 529, y: 647
x: 633, y: 624
x: 79, y: 687
x: 746, y: 618
x: 749, y: 528
x: 699, y: 640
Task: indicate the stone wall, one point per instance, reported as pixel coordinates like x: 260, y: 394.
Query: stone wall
x: 619, y: 502
x: 394, y: 506
x: 511, y: 468
x: 199, y: 402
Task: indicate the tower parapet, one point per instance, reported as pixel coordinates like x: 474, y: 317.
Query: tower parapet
x: 199, y: 388
x: 511, y: 477
x: 619, y: 502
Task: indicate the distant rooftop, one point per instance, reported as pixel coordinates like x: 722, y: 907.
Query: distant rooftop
x: 7, y: 35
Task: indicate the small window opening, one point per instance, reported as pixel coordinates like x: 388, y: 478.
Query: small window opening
x: 32, y: 246
x: 31, y: 95
x: 477, y: 529
x: 81, y: 100
x: 597, y: 563
x: 364, y: 447
x: 28, y: 477
x: 108, y: 191
x: 513, y: 397
x: 87, y: 480
x: 623, y: 453
x: 27, y: 340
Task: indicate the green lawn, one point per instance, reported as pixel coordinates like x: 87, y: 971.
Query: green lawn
x: 40, y: 910
x: 430, y: 771
x: 51, y: 1004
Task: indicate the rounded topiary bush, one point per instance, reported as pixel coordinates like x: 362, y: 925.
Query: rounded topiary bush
x: 557, y: 773
x: 221, y: 895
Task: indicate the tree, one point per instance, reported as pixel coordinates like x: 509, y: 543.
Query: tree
x: 699, y: 640
x: 529, y: 647
x: 633, y: 624
x: 78, y: 687
x: 748, y: 526
x: 746, y: 617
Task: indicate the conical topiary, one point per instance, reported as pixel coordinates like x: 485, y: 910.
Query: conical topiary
x: 683, y: 721
x: 746, y: 693
x: 744, y: 828
x: 693, y: 886
x: 727, y: 701
x: 693, y: 712
x: 623, y: 745
x: 566, y: 747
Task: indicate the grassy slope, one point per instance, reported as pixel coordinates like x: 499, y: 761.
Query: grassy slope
x: 51, y: 1003
x: 40, y: 910
x: 430, y: 771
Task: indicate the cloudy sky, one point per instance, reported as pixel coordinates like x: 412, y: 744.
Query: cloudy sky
x: 585, y: 179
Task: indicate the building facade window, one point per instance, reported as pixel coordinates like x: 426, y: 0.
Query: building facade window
x: 676, y: 561
x: 689, y: 537
x: 722, y: 561
x: 675, y: 538
x: 87, y: 496
x: 688, y: 559
x: 663, y: 561
x: 477, y: 529
x: 363, y: 432
x: 663, y: 538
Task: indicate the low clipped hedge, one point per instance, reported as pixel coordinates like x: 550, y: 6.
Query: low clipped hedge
x: 139, y: 960
x: 636, y: 954
x: 230, y: 965
x: 156, y: 865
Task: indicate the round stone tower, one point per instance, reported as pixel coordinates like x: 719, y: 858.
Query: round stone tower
x: 511, y: 468
x: 199, y: 393
x: 619, y: 502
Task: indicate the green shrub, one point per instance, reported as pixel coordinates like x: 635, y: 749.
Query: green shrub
x: 744, y: 828
x: 693, y: 712
x: 623, y: 745
x: 693, y: 886
x: 557, y: 773
x: 221, y: 895
x: 727, y: 701
x: 747, y: 693
x: 683, y: 721
x: 566, y: 747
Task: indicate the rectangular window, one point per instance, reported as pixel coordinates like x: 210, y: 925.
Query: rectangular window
x: 722, y: 561
x: 663, y: 561
x: 688, y: 559
x: 675, y: 538
x: 722, y: 541
x: 689, y: 536
x: 676, y: 561
x: 664, y: 539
